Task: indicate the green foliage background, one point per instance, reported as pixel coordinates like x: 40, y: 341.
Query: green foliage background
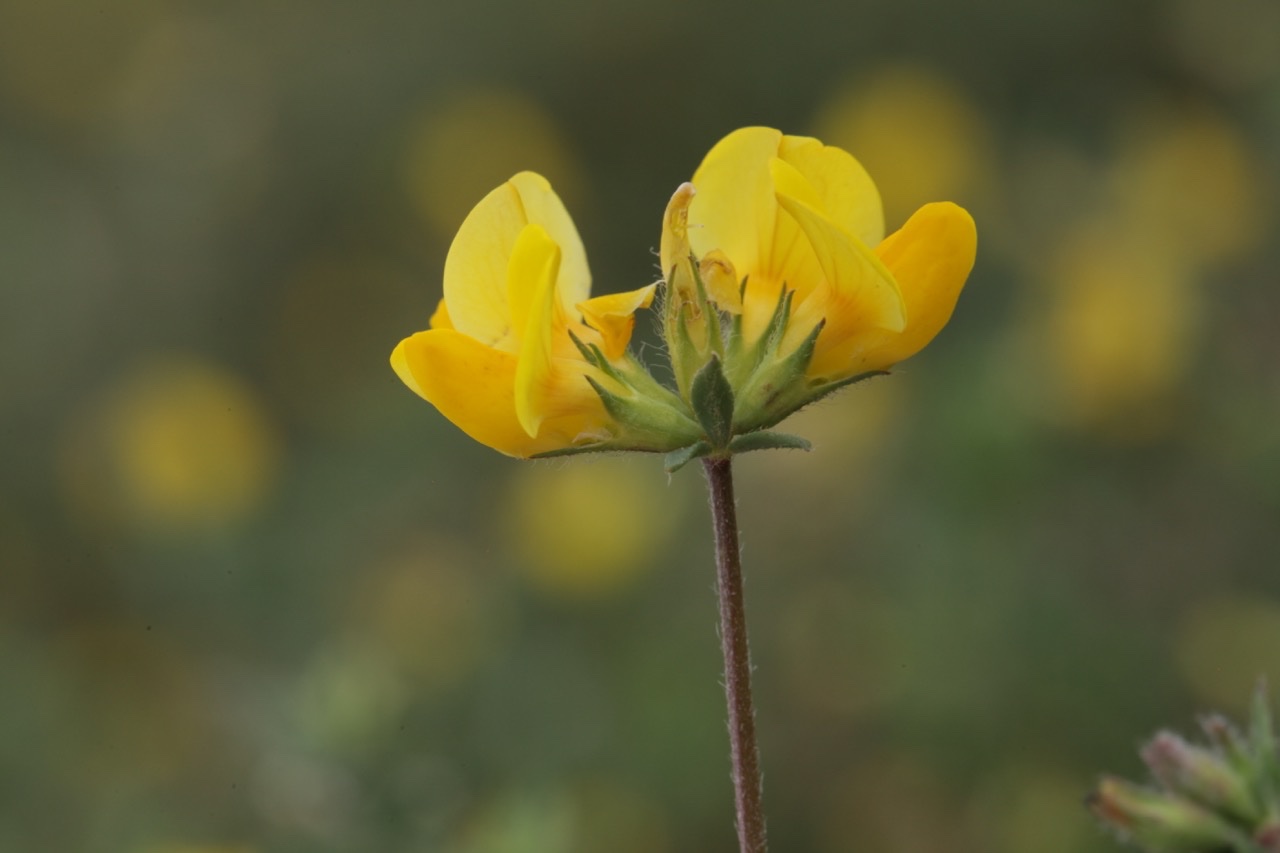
x: 255, y: 596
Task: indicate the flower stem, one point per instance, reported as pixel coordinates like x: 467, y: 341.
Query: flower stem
x: 737, y: 658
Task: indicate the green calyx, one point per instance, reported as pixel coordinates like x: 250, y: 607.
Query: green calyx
x: 730, y: 392
x: 774, y: 382
x: 648, y: 417
x: 692, y: 328
x: 712, y: 400
x: 738, y: 389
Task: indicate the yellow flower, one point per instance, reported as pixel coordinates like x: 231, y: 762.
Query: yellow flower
x: 787, y: 212
x: 500, y: 359
x: 774, y: 298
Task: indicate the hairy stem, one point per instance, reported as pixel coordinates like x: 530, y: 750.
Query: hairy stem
x: 737, y: 659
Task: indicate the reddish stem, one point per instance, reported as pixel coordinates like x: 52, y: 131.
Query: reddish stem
x: 737, y: 659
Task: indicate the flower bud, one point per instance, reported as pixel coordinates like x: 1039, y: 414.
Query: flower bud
x: 691, y: 325
x: 1202, y: 775
x: 1160, y: 821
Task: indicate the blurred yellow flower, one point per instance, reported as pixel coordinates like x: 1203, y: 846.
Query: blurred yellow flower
x: 787, y: 212
x: 1111, y: 344
x: 587, y: 531
x: 1190, y: 178
x: 915, y: 130
x: 177, y: 443
x: 476, y: 138
x: 1109, y: 370
x: 506, y: 358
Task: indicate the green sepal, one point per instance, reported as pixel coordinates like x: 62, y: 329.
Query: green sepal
x: 635, y: 374
x: 593, y: 355
x: 650, y: 419
x: 826, y: 389
x: 799, y: 359
x: 677, y: 459
x: 1261, y: 729
x: 767, y: 440
x: 685, y: 354
x: 1262, y: 739
x: 1228, y: 740
x: 733, y: 341
x: 777, y: 328
x: 747, y: 362
x: 709, y: 310
x: 613, y: 404
x: 711, y: 396
x: 588, y: 354
x: 607, y: 367
x: 778, y: 386
x: 647, y: 424
x: 581, y: 449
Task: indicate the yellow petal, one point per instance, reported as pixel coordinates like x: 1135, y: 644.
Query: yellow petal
x: 543, y: 207
x: 400, y: 364
x: 440, y: 319
x: 792, y: 260
x: 474, y: 387
x: 471, y: 384
x: 475, y: 270
x: 721, y: 280
x: 535, y: 264
x: 930, y: 257
x: 859, y: 292
x: 525, y: 279
x: 735, y: 210
x: 614, y: 317
x: 846, y: 193
x: 788, y: 181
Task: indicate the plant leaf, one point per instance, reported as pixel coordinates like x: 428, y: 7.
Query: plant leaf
x: 767, y: 440
x: 677, y: 459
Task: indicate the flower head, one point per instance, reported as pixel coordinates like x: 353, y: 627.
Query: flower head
x: 800, y: 225
x: 780, y: 287
x: 517, y: 355
x: 790, y: 212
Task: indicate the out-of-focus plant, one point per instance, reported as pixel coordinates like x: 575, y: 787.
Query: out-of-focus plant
x: 1221, y: 798
x: 779, y: 288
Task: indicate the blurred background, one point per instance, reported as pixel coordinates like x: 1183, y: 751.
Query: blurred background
x: 256, y: 596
